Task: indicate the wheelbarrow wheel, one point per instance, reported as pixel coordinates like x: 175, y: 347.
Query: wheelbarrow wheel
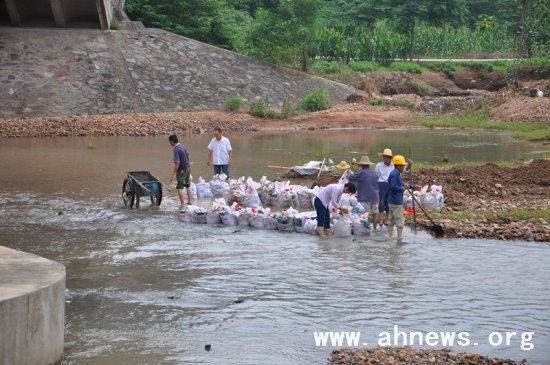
x: 157, y: 198
x: 128, y: 195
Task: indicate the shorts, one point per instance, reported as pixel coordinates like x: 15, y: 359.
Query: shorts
x: 323, y: 215
x: 183, y: 178
x: 370, y: 207
x: 396, y: 217
x: 383, y: 190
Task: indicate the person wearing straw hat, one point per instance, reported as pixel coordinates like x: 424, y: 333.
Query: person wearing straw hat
x: 383, y: 170
x: 367, y: 188
x: 395, y: 197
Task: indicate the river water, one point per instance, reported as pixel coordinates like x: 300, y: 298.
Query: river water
x: 144, y: 288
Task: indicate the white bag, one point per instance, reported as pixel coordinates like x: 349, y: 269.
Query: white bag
x: 203, y: 190
x: 228, y: 218
x: 342, y: 227
x: 252, y: 200
x: 361, y: 228
x: 219, y: 189
x: 243, y: 219
x: 271, y: 223
x: 310, y: 226
x: 258, y: 221
x: 213, y: 218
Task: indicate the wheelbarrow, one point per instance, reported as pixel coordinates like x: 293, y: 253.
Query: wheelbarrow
x: 138, y: 184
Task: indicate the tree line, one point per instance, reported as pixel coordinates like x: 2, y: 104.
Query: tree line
x: 292, y: 32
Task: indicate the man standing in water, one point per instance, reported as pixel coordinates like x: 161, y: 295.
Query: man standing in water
x: 367, y: 188
x: 383, y: 170
x: 330, y: 194
x: 219, y: 153
x: 182, y: 171
x: 395, y: 198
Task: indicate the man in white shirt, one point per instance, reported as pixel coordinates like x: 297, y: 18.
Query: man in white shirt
x: 219, y: 153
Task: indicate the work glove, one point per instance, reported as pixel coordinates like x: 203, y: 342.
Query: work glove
x: 411, y: 187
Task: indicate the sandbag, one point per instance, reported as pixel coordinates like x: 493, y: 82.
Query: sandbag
x: 219, y: 189
x: 203, y: 190
x: 342, y: 227
x: 228, y: 218
x: 285, y: 223
x: 310, y: 226
x: 199, y: 217
x: 361, y: 228
x: 258, y: 221
x: 271, y: 223
x: 243, y: 219
x: 213, y: 217
x: 251, y: 199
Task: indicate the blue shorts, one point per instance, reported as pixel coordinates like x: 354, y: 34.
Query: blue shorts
x: 323, y: 215
x: 383, y: 190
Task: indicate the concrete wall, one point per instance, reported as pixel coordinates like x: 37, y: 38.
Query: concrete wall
x: 32, y: 308
x: 104, y: 72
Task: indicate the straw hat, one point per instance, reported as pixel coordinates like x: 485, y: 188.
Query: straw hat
x: 387, y: 152
x: 343, y: 165
x: 365, y: 160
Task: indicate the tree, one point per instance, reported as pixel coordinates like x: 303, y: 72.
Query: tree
x: 406, y: 14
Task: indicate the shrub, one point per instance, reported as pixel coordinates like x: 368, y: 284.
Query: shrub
x: 482, y: 75
x: 288, y: 109
x: 233, y: 104
x: 406, y: 67
x: 378, y: 102
x: 326, y: 67
x: 258, y: 108
x: 317, y: 99
x: 417, y: 87
x: 364, y: 66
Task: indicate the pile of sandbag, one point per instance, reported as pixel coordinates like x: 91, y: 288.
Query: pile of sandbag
x: 289, y: 220
x: 431, y: 198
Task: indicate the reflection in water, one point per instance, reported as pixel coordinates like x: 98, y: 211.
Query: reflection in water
x: 143, y: 288
x: 96, y: 166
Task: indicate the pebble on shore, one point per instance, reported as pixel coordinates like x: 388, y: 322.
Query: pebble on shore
x: 407, y: 355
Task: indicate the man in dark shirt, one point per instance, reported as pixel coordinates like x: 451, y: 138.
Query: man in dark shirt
x: 367, y: 188
x: 181, y: 172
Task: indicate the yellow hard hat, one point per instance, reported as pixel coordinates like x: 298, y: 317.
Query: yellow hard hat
x: 399, y: 160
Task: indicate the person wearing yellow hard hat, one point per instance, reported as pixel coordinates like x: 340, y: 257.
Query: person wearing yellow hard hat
x: 395, y: 197
x: 383, y: 170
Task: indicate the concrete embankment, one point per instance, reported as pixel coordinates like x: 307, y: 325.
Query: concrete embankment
x: 52, y: 72
x: 32, y: 307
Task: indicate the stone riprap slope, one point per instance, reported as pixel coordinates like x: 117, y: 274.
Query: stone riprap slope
x: 47, y: 72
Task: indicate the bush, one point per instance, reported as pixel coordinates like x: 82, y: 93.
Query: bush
x: 288, y: 109
x: 318, y: 99
x: 326, y: 67
x: 233, y: 104
x: 406, y: 67
x: 364, y: 66
x: 378, y: 102
x: 258, y: 108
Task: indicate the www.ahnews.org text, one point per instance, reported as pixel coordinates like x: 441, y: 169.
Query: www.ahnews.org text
x: 415, y: 338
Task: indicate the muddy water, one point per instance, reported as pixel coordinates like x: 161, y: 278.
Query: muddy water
x: 143, y: 288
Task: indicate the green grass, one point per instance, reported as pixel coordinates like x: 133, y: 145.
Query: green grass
x: 478, y: 118
x: 524, y: 214
x: 517, y: 214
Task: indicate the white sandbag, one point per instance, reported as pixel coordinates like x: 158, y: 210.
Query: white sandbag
x: 228, y: 218
x: 213, y: 217
x: 342, y: 227
x: 271, y: 223
x: 258, y: 221
x: 304, y: 199
x: 219, y: 189
x: 361, y: 228
x: 199, y: 217
x: 431, y: 202
x: 203, y: 190
x: 285, y: 224
x: 251, y: 199
x: 186, y: 217
x: 285, y: 200
x: 193, y: 188
x: 243, y: 219
x: 310, y: 226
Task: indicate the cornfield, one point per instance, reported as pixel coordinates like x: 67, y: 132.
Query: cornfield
x: 382, y: 44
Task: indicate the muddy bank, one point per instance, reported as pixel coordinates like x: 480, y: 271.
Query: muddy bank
x: 505, y: 203
x: 152, y: 124
x: 409, y: 356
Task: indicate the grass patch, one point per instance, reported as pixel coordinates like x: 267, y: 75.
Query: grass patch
x: 452, y: 164
x: 525, y: 214
x: 409, y: 67
x: 364, y: 66
x: 233, y: 104
x: 478, y: 118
